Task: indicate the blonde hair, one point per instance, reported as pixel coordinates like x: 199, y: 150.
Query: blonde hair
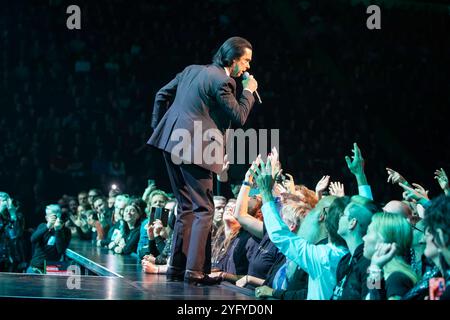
x: 53, y: 209
x: 394, y: 228
x: 157, y: 192
x: 295, y: 212
x: 4, y: 196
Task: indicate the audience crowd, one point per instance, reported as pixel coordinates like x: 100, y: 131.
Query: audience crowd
x: 78, y: 113
x: 279, y: 238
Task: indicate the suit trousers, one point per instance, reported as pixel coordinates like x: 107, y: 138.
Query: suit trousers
x: 192, y: 186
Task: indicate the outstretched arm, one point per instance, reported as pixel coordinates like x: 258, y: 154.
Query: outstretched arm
x: 396, y: 178
x: 249, y: 223
x: 306, y: 255
x: 356, y: 167
x: 418, y: 194
x: 442, y: 179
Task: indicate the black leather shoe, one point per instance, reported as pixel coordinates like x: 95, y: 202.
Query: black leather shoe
x: 174, y: 275
x: 174, y: 278
x: 200, y: 278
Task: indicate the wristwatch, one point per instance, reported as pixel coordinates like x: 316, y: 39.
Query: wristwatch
x: 246, y: 183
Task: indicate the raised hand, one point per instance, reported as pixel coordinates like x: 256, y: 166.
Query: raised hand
x: 275, y: 162
x: 290, y: 183
x: 264, y: 179
x: 416, y: 194
x: 384, y: 253
x: 322, y: 185
x: 421, y: 190
x: 394, y: 177
x: 223, y: 175
x: 336, y: 189
x: 356, y: 165
x: 279, y: 189
x: 150, y: 231
x: 249, y: 174
x: 148, y: 190
x: 442, y: 179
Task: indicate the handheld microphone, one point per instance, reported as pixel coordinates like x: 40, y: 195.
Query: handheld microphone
x: 245, y: 76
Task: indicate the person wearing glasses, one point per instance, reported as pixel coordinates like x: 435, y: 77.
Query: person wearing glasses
x: 351, y: 272
x: 426, y: 265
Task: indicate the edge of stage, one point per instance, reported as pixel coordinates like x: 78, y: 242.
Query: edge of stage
x: 110, y: 277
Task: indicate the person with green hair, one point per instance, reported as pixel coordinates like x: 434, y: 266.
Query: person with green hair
x: 387, y: 244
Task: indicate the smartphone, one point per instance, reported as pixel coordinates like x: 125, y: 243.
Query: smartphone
x: 159, y: 213
x: 150, y: 182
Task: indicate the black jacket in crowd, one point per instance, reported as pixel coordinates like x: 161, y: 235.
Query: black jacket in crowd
x: 48, y: 248
x: 351, y: 276
x: 12, y: 243
x: 131, y: 240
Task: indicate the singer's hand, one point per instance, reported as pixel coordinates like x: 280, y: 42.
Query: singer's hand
x: 250, y: 83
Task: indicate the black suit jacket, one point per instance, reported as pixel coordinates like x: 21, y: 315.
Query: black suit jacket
x: 202, y: 100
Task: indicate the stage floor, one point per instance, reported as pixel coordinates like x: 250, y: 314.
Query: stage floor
x: 119, y: 278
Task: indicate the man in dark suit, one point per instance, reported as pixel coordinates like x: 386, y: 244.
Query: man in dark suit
x: 197, y: 107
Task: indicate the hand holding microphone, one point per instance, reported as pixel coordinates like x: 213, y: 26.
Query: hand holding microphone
x: 251, y: 84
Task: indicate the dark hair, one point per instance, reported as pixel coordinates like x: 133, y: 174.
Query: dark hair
x: 100, y: 197
x: 332, y: 220
x: 93, y: 214
x: 140, y: 206
x: 437, y: 216
x: 231, y: 49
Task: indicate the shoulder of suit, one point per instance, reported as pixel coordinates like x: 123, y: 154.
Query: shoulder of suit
x: 217, y: 74
x: 221, y: 75
x: 198, y: 68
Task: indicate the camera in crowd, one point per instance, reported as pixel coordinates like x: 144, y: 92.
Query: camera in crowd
x: 63, y: 216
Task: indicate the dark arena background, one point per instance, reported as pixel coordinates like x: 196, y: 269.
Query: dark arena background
x: 76, y: 108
